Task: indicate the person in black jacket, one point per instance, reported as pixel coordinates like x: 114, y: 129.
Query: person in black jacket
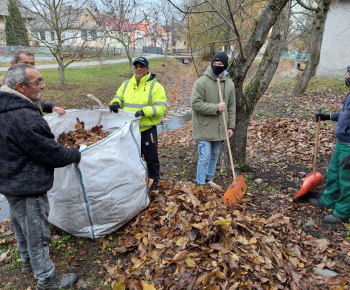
x: 28, y: 156
x: 26, y: 56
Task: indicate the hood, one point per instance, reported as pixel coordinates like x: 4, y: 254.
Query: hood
x: 210, y: 74
x: 12, y: 101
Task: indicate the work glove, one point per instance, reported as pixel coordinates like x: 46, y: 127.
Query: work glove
x: 346, y: 162
x: 139, y: 114
x: 322, y: 116
x: 347, y: 82
x: 114, y: 107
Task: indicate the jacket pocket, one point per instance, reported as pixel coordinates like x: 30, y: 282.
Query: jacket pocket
x: 203, y: 121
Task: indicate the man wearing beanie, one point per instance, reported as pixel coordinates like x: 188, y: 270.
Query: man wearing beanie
x: 207, y: 123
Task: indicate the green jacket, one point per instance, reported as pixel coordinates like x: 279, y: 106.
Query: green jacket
x: 149, y: 97
x: 207, y: 122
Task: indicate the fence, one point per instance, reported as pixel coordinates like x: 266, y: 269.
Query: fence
x: 296, y: 56
x: 43, y: 51
x: 152, y: 50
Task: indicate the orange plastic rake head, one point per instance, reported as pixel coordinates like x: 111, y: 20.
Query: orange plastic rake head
x: 235, y: 192
x: 311, y: 182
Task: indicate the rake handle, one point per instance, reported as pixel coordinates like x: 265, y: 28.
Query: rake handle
x: 316, y: 143
x: 227, y: 139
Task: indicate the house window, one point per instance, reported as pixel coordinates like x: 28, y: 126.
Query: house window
x: 83, y: 34
x: 42, y: 34
x: 139, y: 42
x: 93, y: 35
x: 52, y: 36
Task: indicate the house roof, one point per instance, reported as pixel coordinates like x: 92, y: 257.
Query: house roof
x: 70, y: 19
x: 146, y: 26
x: 114, y: 22
x: 4, y: 11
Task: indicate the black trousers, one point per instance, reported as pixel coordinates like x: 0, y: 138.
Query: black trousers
x: 149, y: 150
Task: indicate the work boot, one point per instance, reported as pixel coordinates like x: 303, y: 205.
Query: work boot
x: 316, y: 203
x: 26, y: 267
x: 214, y: 185
x: 333, y: 219
x: 58, y: 281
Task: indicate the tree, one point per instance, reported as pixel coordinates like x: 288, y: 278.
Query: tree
x: 209, y: 32
x: 318, y: 25
x: 164, y: 18
x: 275, y: 15
x: 15, y: 29
x: 67, y: 29
x: 124, y: 16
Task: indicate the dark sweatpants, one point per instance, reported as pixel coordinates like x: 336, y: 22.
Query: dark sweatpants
x: 149, y: 149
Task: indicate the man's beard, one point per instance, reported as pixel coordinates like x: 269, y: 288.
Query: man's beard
x: 38, y: 96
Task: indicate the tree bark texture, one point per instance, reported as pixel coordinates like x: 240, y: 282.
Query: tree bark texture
x: 276, y: 13
x: 315, y: 47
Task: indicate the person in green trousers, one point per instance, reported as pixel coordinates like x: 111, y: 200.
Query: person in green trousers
x: 336, y: 196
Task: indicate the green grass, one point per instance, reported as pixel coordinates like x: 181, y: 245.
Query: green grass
x: 90, y: 76
x: 102, y: 81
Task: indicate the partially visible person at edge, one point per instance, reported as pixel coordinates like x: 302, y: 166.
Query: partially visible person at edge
x: 145, y: 97
x: 26, y: 56
x: 336, y: 195
x: 207, y: 122
x: 28, y: 156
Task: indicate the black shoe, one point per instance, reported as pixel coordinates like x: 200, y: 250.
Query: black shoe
x: 58, y: 281
x: 316, y: 202
x: 333, y: 219
x: 26, y: 268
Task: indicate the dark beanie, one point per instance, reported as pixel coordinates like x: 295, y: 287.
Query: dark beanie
x: 221, y: 56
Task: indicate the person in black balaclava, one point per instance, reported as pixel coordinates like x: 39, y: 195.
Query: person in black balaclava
x: 336, y: 196
x: 207, y: 122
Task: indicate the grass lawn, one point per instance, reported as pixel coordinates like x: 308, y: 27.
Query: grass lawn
x: 102, y: 81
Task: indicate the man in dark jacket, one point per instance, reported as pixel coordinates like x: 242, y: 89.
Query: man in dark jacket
x: 207, y: 122
x: 336, y: 196
x: 26, y: 56
x: 28, y: 156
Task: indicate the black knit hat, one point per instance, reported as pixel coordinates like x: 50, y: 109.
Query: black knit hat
x: 221, y: 56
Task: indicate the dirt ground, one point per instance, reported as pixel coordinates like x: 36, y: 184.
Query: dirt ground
x: 279, y: 154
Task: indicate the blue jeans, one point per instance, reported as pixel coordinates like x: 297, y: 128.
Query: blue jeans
x: 29, y: 217
x: 208, y: 157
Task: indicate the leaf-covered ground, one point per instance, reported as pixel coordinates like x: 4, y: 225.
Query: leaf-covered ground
x: 188, y: 239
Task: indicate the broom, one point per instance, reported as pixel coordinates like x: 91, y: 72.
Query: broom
x: 237, y: 189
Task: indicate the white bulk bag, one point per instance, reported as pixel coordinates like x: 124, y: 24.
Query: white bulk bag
x: 109, y: 187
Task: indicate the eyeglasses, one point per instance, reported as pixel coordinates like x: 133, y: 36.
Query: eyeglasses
x: 39, y: 83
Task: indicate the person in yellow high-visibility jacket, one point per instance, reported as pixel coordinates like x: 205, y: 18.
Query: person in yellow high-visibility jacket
x: 146, y: 97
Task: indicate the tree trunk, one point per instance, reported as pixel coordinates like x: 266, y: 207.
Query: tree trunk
x: 247, y: 99
x: 61, y: 69
x: 315, y: 48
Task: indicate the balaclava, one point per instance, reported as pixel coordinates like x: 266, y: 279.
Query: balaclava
x: 220, y: 56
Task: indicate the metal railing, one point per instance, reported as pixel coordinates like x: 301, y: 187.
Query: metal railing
x: 295, y: 56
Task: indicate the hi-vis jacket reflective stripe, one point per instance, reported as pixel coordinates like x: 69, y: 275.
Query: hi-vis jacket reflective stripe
x: 149, y: 97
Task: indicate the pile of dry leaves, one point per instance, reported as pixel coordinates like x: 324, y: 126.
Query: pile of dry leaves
x: 188, y: 239
x: 82, y: 136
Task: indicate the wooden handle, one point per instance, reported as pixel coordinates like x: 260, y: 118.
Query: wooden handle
x: 316, y: 146
x: 227, y: 139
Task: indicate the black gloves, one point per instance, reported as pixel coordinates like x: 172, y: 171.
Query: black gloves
x: 139, y: 114
x: 347, y: 82
x: 114, y: 107
x: 346, y: 162
x: 322, y: 116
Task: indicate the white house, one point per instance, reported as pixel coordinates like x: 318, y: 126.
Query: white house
x: 335, y: 55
